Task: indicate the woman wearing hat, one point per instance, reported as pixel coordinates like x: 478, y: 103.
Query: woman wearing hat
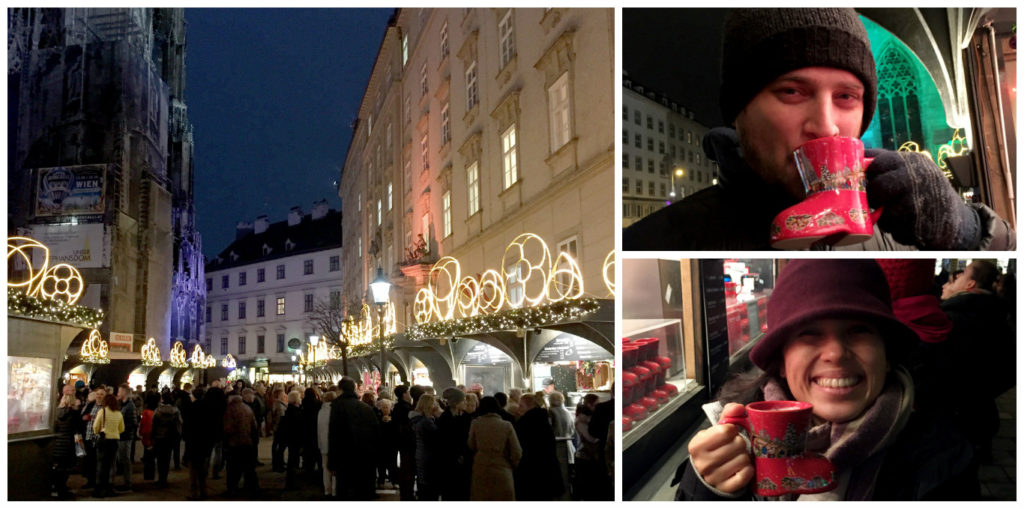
x: 834, y: 342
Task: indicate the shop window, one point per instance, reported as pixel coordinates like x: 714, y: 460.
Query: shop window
x: 30, y: 394
x: 748, y: 284
x: 899, y: 112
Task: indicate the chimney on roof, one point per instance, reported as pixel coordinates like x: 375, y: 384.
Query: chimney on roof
x: 261, y: 224
x: 295, y: 216
x: 319, y: 209
x: 242, y: 229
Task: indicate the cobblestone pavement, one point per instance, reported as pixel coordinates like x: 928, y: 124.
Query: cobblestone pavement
x: 271, y: 485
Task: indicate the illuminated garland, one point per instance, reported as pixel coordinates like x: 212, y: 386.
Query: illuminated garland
x: 372, y: 348
x: 151, y: 354
x: 95, y: 349
x: 955, y: 147
x: 201, y: 360
x: 511, y: 319
x: 52, y: 310
x: 229, y: 362
x: 178, y: 356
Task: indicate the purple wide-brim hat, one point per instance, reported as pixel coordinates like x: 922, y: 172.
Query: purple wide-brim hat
x: 811, y: 289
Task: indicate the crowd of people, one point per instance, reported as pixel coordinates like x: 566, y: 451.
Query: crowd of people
x: 456, y: 445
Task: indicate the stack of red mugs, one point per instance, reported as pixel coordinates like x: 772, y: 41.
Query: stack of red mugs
x: 644, y: 388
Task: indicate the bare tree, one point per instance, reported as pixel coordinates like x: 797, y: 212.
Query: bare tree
x: 326, y: 319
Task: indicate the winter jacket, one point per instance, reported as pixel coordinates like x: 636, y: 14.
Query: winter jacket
x: 401, y: 416
x: 427, y: 444
x: 64, y: 443
x: 291, y: 426
x: 277, y: 414
x: 146, y: 428
x: 538, y: 476
x: 167, y: 424
x: 206, y: 422
x: 352, y: 439
x: 323, y: 426
x: 239, y: 425
x: 131, y: 420
x: 497, y: 453
x: 736, y: 214
x: 454, y: 455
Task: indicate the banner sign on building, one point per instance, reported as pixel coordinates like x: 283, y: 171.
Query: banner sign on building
x: 70, y: 190
x: 120, y: 341
x: 79, y: 245
x: 571, y: 348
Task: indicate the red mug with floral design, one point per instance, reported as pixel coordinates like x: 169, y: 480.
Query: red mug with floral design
x: 778, y: 435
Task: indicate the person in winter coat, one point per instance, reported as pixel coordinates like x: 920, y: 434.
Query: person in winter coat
x: 64, y: 457
x: 352, y: 439
x: 588, y: 457
x: 256, y: 406
x: 240, y: 437
x: 108, y: 425
x: 387, y: 465
x: 165, y: 435
x: 454, y: 456
x: 427, y: 447
x: 323, y: 425
x: 151, y: 402
x: 538, y: 477
x: 406, y: 442
x: 310, y: 452
x: 497, y: 453
x: 94, y: 401
x: 562, y: 426
x: 279, y: 408
x: 129, y: 411
x: 293, y: 429
x: 206, y: 430
x: 835, y: 343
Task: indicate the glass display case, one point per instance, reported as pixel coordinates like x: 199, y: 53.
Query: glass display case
x: 748, y: 284
x: 29, y: 394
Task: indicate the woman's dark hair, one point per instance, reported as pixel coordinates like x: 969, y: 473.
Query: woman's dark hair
x: 310, y: 395
x: 488, y: 405
x: 111, y: 402
x: 152, y: 400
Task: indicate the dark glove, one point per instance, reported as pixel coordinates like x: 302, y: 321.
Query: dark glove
x: 921, y: 207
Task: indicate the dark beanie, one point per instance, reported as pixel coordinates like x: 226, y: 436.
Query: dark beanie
x: 812, y: 289
x: 759, y: 45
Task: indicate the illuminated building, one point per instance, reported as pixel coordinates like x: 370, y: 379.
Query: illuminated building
x: 101, y: 162
x: 262, y: 288
x: 478, y: 125
x: 662, y: 158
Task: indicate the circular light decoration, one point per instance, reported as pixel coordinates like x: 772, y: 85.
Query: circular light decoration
x: 178, y: 356
x: 151, y: 354
x: 198, y: 358
x: 609, y: 271
x: 95, y: 349
x: 228, y: 362
x: 21, y: 248
x: 525, y: 265
x: 62, y: 282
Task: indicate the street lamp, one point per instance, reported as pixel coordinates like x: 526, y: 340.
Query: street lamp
x: 313, y: 340
x: 381, y: 289
x: 678, y: 173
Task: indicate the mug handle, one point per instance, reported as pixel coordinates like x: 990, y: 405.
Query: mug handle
x: 878, y: 212
x: 741, y: 421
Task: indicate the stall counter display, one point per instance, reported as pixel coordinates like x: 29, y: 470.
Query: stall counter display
x: 29, y: 394
x: 653, y: 373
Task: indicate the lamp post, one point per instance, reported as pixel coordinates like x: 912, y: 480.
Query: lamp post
x: 381, y: 289
x: 678, y: 173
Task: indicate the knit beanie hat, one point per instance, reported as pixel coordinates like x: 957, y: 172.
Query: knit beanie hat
x: 759, y: 45
x: 453, y: 396
x: 812, y: 289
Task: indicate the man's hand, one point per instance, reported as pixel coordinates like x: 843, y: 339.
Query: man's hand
x: 921, y: 207
x: 719, y: 455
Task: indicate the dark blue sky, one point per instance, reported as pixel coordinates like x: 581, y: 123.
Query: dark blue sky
x: 271, y: 94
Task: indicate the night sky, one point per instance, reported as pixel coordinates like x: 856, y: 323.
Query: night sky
x: 677, y: 52
x: 271, y: 94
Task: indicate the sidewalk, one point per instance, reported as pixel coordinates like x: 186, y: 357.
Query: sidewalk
x: 271, y: 484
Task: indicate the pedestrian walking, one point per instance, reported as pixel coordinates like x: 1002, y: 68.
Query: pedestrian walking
x: 165, y: 434
x: 280, y: 406
x: 108, y: 426
x: 538, y: 477
x: 427, y: 444
x: 353, y: 434
x: 497, y: 453
x: 240, y: 437
x: 127, y: 439
x: 323, y: 425
x: 64, y: 456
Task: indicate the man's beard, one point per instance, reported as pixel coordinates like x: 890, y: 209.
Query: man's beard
x: 783, y: 181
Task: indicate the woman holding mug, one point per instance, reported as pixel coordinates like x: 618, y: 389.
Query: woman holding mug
x: 834, y: 343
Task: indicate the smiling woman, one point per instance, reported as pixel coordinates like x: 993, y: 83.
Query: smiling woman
x: 833, y: 342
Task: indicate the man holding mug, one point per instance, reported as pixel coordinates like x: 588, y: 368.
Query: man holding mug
x: 790, y: 76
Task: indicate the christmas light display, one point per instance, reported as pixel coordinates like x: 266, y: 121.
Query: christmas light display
x: 228, y: 362
x: 956, y: 147
x: 151, y: 354
x: 200, y: 360
x: 178, y: 356
x: 61, y: 282
x: 52, y: 310
x: 95, y: 349
x: 609, y: 272
x: 510, y: 319
x: 362, y: 331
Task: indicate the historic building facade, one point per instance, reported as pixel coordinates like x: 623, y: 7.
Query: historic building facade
x: 100, y: 161
x: 479, y: 125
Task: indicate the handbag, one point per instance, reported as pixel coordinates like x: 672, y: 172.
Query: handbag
x: 102, y: 434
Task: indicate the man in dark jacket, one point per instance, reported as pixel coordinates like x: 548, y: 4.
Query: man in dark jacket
x: 166, y: 434
x: 256, y: 405
x: 781, y: 87
x: 455, y: 455
x: 206, y: 428
x: 131, y: 426
x: 353, y: 430
x: 538, y: 476
x: 406, y: 443
x: 240, y: 437
x: 502, y: 399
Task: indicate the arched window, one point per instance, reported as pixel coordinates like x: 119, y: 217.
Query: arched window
x: 899, y: 112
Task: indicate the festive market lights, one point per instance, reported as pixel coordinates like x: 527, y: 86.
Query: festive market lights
x: 178, y: 356
x: 200, y: 360
x: 509, y: 319
x: 609, y: 272
x: 956, y: 147
x: 61, y: 282
x: 151, y: 354
x: 228, y: 362
x: 362, y: 331
x: 52, y: 310
x: 529, y: 277
x: 95, y: 349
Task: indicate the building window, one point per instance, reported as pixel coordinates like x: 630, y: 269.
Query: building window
x: 671, y: 130
x: 223, y: 312
x: 625, y: 113
x: 638, y: 140
x: 424, y: 153
x: 261, y: 275
x: 335, y: 263
x: 405, y: 49
x: 209, y: 314
x: 662, y: 189
x: 446, y: 214
x: 209, y: 285
x: 639, y: 163
x: 568, y: 246
x: 444, y: 39
x: 280, y: 272
x: 336, y: 299
x: 473, y: 185
x: 390, y: 196
x: 625, y: 161
x: 424, y: 88
x: 661, y: 127
x: 558, y: 104
x: 425, y: 225
x: 636, y: 116
x: 280, y: 306
x: 471, y: 91
x: 260, y: 344
x: 280, y: 343
x: 506, y: 36
x: 661, y: 147
x: 307, y: 267
x: 650, y: 122
x: 446, y: 129
x: 625, y: 137
x: 224, y: 281
x: 307, y: 302
x: 241, y: 310
x: 510, y: 168
x: 650, y: 165
x: 625, y: 185
x: 241, y: 344
x: 650, y: 188
x: 639, y: 188
x: 689, y: 138
x: 650, y: 144
x: 241, y: 278
x: 223, y: 345
x: 261, y: 307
